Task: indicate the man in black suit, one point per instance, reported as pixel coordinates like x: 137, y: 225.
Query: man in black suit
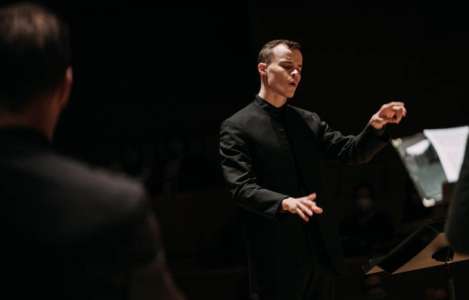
x: 457, y: 226
x: 68, y: 232
x: 270, y: 154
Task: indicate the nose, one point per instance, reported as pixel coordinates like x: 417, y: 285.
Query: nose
x: 296, y: 76
x: 295, y: 73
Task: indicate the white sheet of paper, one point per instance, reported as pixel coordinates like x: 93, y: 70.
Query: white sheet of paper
x: 419, y: 148
x: 449, y: 143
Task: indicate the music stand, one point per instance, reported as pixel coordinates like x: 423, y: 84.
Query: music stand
x: 431, y: 166
x: 432, y: 159
x: 427, y: 247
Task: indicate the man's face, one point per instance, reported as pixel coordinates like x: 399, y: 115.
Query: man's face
x: 283, y: 74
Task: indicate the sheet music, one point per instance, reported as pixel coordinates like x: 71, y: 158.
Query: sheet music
x: 419, y: 148
x: 450, y: 144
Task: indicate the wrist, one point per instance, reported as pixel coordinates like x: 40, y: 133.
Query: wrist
x: 285, y: 204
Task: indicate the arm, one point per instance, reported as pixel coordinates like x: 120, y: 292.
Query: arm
x: 352, y: 149
x: 457, y: 226
x: 238, y: 169
x: 150, y: 277
x: 364, y: 146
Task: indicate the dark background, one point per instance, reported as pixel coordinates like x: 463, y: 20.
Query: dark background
x: 153, y: 83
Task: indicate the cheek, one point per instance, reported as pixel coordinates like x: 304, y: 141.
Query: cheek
x: 281, y: 77
x: 272, y: 78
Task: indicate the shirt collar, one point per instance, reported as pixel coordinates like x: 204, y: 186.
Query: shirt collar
x: 269, y: 108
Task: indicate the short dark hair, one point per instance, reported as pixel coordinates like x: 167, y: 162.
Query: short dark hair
x: 34, y: 54
x: 265, y: 55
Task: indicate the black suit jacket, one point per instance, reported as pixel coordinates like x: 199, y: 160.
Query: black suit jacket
x: 457, y: 227
x: 264, y: 164
x: 70, y: 232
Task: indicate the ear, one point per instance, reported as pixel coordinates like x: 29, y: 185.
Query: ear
x: 262, y: 68
x: 65, y: 89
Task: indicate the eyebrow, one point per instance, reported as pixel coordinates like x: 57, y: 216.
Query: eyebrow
x: 289, y: 62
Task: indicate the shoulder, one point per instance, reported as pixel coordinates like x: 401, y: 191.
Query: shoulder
x: 112, y: 189
x: 245, y: 117
x: 77, y: 197
x: 311, y: 119
x: 246, y: 112
x: 306, y: 114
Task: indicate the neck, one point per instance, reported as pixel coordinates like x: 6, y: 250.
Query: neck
x: 274, y: 99
x: 29, y: 119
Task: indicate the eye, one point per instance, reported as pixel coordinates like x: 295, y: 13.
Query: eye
x: 289, y: 68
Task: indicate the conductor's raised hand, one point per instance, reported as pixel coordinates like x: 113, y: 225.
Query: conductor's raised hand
x: 391, y: 112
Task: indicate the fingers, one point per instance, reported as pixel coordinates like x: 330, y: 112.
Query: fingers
x: 400, y: 110
x: 395, y: 118
x: 301, y: 214
x: 394, y: 103
x: 312, y: 206
x: 308, y: 200
x: 392, y: 112
x: 305, y: 209
x: 308, y: 207
x: 391, y: 105
x: 305, y: 213
x: 317, y: 209
x: 376, y: 118
x: 399, y: 113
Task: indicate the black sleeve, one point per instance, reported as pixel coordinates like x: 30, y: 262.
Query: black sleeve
x: 238, y: 170
x: 351, y: 149
x: 457, y: 227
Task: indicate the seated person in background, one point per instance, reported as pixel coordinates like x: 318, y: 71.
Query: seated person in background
x: 367, y: 229
x: 67, y: 232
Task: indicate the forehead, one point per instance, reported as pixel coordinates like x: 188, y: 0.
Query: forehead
x: 282, y: 53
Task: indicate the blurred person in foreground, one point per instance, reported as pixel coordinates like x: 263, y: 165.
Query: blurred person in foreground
x: 68, y: 232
